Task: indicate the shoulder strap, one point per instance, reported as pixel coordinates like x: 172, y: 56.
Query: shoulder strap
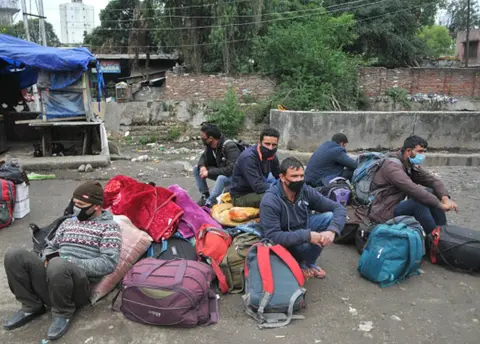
x: 222, y: 280
x: 292, y: 264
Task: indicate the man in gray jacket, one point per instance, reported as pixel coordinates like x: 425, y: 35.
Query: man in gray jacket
x: 215, y: 163
x: 84, y: 249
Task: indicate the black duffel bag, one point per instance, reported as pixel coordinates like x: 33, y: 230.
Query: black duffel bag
x: 455, y: 247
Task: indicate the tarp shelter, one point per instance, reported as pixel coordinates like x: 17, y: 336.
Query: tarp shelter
x: 53, y: 69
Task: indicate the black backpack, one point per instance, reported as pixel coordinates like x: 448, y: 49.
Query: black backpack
x: 42, y: 235
x: 240, y: 144
x: 171, y: 249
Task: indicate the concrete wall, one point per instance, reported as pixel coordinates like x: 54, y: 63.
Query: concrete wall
x: 305, y: 131
x: 454, y: 82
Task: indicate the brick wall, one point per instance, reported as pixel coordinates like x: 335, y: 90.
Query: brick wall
x: 456, y: 82
x: 211, y: 87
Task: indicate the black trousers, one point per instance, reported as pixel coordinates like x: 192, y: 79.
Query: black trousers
x: 62, y: 285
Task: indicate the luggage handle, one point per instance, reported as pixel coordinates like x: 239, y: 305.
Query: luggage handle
x: 178, y: 276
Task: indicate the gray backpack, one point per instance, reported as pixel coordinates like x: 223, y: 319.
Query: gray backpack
x: 273, y: 286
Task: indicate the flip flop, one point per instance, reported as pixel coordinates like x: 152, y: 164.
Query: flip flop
x: 307, y: 272
x: 317, y: 271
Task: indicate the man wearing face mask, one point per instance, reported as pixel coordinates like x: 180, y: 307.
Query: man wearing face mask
x: 256, y: 168
x: 215, y: 163
x: 286, y: 217
x: 329, y: 161
x: 401, y: 176
x: 85, y: 248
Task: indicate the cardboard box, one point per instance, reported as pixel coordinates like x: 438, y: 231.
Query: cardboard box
x: 22, y: 201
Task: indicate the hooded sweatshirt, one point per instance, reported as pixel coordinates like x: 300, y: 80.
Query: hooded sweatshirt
x: 286, y: 223
x: 93, y: 245
x: 250, y: 173
x: 327, y: 163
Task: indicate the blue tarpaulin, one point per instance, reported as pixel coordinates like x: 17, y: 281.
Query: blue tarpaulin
x: 46, y: 58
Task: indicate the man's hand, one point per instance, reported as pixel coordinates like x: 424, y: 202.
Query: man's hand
x: 203, y: 172
x: 448, y: 204
x: 322, y: 239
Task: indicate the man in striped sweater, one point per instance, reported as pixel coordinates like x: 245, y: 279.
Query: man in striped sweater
x: 85, y: 248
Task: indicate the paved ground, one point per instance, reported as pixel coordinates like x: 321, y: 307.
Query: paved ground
x: 437, y: 307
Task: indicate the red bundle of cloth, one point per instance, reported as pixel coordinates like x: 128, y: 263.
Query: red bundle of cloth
x: 150, y: 208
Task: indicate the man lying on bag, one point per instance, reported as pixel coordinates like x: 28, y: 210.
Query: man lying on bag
x: 85, y: 248
x: 286, y: 217
x: 401, y: 176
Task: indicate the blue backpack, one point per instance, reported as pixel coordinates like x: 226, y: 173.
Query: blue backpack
x: 393, y: 252
x: 368, y: 165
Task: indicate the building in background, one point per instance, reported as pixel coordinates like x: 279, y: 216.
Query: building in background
x: 8, y: 8
x: 76, y: 19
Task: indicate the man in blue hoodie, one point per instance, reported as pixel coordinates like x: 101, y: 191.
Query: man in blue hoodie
x: 256, y: 168
x: 286, y: 217
x: 329, y: 161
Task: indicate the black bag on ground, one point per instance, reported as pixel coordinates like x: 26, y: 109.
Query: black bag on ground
x: 347, y: 236
x: 362, y: 234
x: 171, y: 249
x: 455, y: 247
x: 41, y: 235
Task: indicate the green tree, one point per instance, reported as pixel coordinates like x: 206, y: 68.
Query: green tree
x: 387, y: 31
x: 306, y: 58
x: 458, y: 11
x: 18, y: 30
x: 117, y: 20
x: 438, y: 40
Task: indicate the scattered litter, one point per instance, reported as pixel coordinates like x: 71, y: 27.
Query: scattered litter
x: 432, y: 98
x: 352, y: 311
x: 110, y: 327
x: 81, y: 168
x: 345, y: 298
x: 421, y: 271
x: 318, y: 341
x: 475, y: 320
x: 140, y: 158
x: 36, y: 176
x: 88, y: 168
x: 279, y: 336
x: 127, y: 133
x: 394, y: 317
x: 89, y: 340
x: 365, y: 326
x: 414, y: 303
x: 44, y: 341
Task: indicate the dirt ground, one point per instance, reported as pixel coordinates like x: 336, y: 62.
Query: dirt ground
x: 438, y: 306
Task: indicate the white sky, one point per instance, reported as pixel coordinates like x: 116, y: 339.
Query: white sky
x: 52, y: 11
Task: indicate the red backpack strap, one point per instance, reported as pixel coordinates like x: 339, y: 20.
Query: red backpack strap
x: 292, y: 264
x: 435, y: 242
x: 222, y: 280
x: 265, y: 270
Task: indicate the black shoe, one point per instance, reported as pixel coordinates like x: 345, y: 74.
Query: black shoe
x: 19, y: 319
x: 58, y: 328
x: 201, y: 202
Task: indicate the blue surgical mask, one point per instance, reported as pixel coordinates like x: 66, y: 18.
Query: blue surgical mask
x: 418, y: 159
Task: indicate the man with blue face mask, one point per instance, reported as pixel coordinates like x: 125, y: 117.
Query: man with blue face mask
x: 399, y: 187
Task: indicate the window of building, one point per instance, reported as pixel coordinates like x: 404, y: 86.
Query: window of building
x: 472, y: 49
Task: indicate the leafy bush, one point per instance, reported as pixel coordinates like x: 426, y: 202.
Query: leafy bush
x: 173, y: 134
x: 307, y: 59
x: 147, y: 139
x: 399, y: 96
x: 227, y: 114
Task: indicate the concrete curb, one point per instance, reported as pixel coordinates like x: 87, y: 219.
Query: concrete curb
x: 65, y: 162
x: 433, y: 159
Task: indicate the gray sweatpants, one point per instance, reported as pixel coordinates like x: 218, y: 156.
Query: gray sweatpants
x: 62, y: 285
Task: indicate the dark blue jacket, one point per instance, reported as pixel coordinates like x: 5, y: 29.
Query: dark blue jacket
x: 250, y: 173
x: 327, y: 163
x: 286, y: 223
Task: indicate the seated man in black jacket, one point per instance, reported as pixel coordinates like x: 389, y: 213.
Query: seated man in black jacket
x: 215, y: 163
x: 256, y: 168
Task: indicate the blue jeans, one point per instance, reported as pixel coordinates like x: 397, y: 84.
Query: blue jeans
x: 429, y: 218
x: 308, y: 252
x: 220, y: 183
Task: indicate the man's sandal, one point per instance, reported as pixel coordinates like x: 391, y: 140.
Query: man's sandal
x: 317, y: 271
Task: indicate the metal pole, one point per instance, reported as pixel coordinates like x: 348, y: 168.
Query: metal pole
x: 467, y: 40
x: 27, y: 33
x: 43, y: 34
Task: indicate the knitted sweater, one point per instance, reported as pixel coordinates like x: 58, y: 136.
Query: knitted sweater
x: 93, y: 245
